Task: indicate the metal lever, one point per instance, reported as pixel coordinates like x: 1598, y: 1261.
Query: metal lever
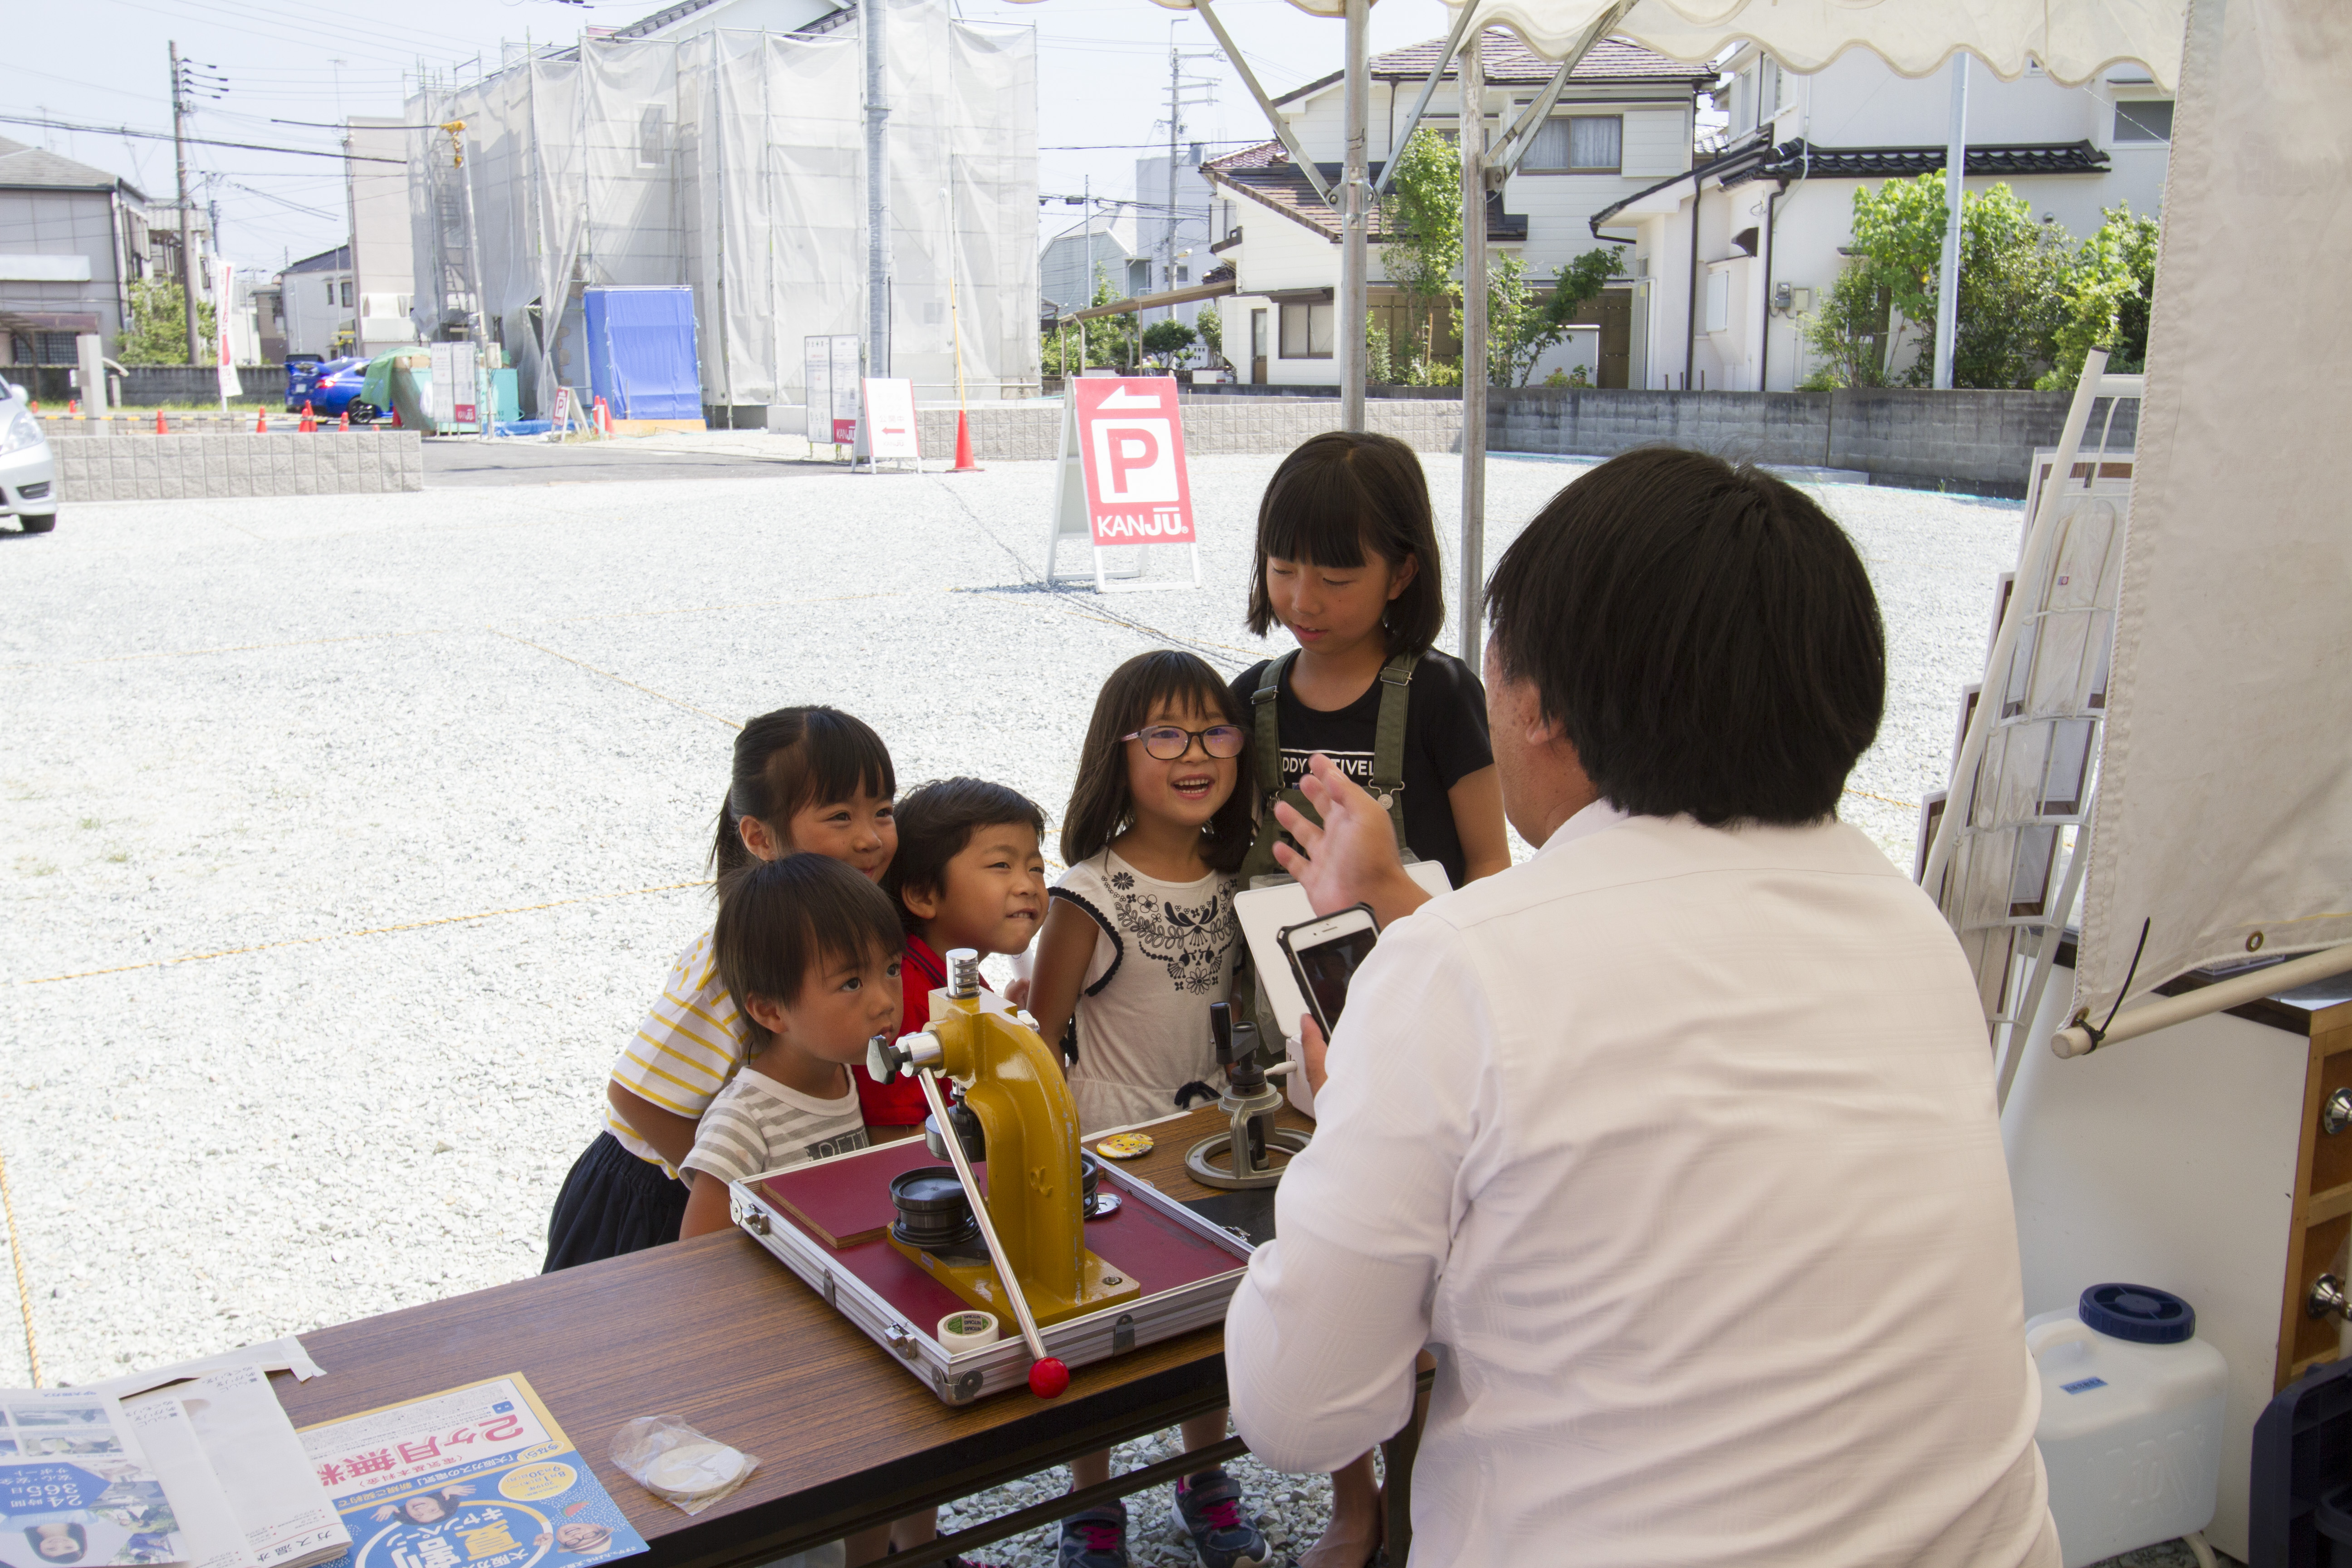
x: 2327, y: 1298
x: 1048, y: 1376
x: 2335, y: 1115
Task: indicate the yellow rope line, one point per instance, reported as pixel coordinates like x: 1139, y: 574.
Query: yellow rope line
x: 1882, y: 799
x: 608, y: 675
x: 371, y: 931
x: 16, y: 1257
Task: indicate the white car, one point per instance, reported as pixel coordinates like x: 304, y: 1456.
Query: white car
x: 28, y: 473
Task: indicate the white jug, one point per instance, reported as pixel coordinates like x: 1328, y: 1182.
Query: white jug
x: 2131, y: 1420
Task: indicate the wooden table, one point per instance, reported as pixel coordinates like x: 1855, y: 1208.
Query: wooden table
x: 715, y: 1331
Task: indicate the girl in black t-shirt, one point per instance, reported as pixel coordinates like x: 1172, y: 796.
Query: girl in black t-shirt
x: 1347, y: 563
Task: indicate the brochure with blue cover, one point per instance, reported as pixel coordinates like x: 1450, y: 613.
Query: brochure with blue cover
x: 76, y: 1488
x: 478, y: 1476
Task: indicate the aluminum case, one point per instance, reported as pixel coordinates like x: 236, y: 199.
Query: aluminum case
x: 991, y: 1369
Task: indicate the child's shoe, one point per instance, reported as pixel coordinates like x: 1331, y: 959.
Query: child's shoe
x: 1094, y: 1539
x: 1208, y: 1508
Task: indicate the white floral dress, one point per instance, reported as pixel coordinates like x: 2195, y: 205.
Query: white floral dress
x: 1163, y: 952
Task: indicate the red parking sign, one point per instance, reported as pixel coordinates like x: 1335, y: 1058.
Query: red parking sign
x: 1131, y: 447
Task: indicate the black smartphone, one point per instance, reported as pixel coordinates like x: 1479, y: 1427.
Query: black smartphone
x: 1324, y: 954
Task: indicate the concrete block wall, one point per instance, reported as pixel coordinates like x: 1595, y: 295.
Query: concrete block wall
x: 1976, y: 440
x: 1033, y: 432
x: 207, y: 467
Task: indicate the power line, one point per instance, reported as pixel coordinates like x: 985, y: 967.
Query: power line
x: 193, y: 140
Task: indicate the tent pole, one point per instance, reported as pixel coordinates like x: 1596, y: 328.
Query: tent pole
x: 1474, y: 340
x: 1354, y: 256
x: 1948, y: 278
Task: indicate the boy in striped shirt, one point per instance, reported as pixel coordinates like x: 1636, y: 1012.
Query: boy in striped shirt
x: 810, y: 951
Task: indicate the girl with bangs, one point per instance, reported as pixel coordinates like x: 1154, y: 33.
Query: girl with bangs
x: 1347, y: 563
x: 808, y: 780
x: 1139, y: 940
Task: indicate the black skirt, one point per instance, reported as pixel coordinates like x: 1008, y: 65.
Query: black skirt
x: 611, y: 1203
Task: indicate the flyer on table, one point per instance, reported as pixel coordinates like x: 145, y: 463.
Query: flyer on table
x: 478, y: 1476
x: 76, y: 1490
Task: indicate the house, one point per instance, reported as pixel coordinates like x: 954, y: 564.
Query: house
x: 1626, y: 117
x: 315, y: 295
x: 1067, y: 266
x: 1175, y: 239
x: 1725, y: 304
x: 383, y: 258
x: 73, y: 239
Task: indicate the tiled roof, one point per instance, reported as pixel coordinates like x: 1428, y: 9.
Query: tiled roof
x: 23, y: 167
x: 1510, y: 63
x: 1265, y: 173
x: 1795, y: 159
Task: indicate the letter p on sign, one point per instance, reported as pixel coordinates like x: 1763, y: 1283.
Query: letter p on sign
x: 1133, y: 444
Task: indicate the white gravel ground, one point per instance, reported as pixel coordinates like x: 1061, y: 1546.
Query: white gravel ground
x: 346, y: 837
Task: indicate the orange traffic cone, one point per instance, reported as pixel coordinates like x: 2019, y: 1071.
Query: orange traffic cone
x: 261, y: 423
x: 963, y: 463
x: 161, y: 429
x: 310, y: 420
x: 345, y: 422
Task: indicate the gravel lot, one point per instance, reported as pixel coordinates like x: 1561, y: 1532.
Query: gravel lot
x: 346, y: 837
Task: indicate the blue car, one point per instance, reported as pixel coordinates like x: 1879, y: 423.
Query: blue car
x: 331, y: 387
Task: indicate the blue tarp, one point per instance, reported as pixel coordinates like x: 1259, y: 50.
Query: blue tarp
x: 641, y: 353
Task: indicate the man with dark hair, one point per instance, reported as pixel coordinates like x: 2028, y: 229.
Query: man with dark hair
x: 1675, y: 1143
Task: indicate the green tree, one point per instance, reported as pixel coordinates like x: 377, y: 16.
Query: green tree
x: 1877, y: 323
x: 159, y: 325
x: 1380, y: 362
x: 1521, y: 326
x: 1169, y: 342
x: 1423, y: 211
x: 1212, y: 328
x: 2108, y: 289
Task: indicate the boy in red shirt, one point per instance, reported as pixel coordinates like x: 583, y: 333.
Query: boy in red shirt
x: 968, y: 873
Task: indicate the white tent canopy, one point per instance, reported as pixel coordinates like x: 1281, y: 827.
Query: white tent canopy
x: 2073, y: 40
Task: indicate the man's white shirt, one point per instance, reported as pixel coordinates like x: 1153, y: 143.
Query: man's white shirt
x: 1677, y: 1147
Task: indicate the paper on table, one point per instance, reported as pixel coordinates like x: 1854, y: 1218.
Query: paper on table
x: 277, y: 1355
x: 208, y: 1526
x: 277, y: 1497
x: 76, y: 1485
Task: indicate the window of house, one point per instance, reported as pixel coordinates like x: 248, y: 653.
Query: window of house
x: 1306, y: 330
x: 330, y: 290
x: 651, y: 120
x: 347, y: 293
x: 1577, y: 144
x: 54, y: 348
x: 2144, y: 120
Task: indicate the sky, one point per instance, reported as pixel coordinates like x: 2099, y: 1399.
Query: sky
x: 1102, y: 86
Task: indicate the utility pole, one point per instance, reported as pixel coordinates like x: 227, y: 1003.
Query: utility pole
x: 877, y: 190
x: 1087, y: 287
x: 1947, y: 276
x: 1474, y: 341
x: 180, y: 157
x: 1355, y: 260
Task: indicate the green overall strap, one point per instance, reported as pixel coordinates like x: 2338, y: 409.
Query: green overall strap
x: 1387, y: 739
x: 1263, y: 702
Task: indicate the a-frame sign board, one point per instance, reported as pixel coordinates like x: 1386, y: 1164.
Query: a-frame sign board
x: 1121, y: 481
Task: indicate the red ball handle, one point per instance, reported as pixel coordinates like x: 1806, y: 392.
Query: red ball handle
x: 1049, y: 1378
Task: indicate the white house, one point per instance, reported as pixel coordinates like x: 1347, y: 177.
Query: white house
x: 315, y: 293
x: 1626, y: 118
x: 1725, y: 305
x: 1068, y: 264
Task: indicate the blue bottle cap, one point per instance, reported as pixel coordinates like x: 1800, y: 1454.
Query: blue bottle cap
x: 2141, y: 1313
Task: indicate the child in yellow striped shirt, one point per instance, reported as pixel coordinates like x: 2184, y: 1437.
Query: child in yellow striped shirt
x: 806, y: 781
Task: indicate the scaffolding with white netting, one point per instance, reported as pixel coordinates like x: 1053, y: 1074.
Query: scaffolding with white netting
x: 733, y: 163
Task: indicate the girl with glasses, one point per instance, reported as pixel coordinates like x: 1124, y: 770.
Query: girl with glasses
x: 1139, y: 940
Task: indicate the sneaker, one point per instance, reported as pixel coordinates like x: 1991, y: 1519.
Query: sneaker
x: 1094, y: 1539
x: 1209, y: 1510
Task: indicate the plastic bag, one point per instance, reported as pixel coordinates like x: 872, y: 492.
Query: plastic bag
x: 678, y: 1464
